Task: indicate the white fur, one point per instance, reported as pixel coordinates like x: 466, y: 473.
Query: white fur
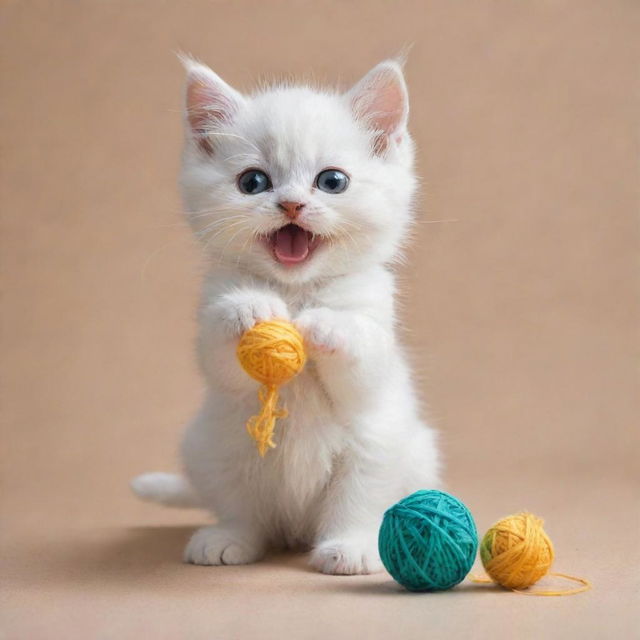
x: 353, y: 443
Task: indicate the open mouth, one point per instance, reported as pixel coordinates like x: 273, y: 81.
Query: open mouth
x: 292, y: 244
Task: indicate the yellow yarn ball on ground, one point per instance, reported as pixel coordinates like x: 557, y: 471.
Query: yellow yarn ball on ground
x: 272, y: 353
x: 516, y: 552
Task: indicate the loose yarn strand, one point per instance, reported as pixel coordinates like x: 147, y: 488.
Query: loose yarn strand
x: 272, y: 353
x: 262, y: 426
x: 586, y: 585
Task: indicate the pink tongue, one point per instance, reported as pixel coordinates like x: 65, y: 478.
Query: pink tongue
x: 291, y: 244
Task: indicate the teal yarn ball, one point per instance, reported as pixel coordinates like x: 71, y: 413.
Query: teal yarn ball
x: 428, y: 541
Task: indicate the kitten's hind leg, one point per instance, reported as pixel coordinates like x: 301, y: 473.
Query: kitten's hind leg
x: 169, y: 489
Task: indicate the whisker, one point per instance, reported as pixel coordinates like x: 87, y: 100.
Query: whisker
x: 242, y: 249
x: 220, y: 221
x: 351, y: 223
x: 145, y: 266
x: 217, y: 221
x: 233, y: 237
x: 353, y: 242
x: 219, y: 232
x: 194, y: 214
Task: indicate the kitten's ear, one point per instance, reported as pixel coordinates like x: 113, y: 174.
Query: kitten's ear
x: 381, y: 100
x: 210, y: 101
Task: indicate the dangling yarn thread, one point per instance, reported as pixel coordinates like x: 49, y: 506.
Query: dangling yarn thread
x: 272, y: 353
x: 516, y: 553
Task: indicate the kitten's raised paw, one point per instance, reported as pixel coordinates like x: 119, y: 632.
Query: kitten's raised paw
x: 323, y: 329
x: 240, y: 310
x: 346, y: 557
x: 220, y: 546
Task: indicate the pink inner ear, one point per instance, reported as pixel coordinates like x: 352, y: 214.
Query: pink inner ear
x: 207, y: 106
x: 387, y: 107
x: 200, y: 109
x: 382, y: 102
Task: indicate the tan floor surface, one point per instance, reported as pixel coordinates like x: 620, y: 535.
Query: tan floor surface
x: 521, y: 308
x: 127, y: 581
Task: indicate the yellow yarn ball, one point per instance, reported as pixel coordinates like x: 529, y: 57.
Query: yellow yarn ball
x: 516, y: 552
x: 272, y: 353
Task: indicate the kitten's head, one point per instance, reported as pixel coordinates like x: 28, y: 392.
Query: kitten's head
x: 296, y: 184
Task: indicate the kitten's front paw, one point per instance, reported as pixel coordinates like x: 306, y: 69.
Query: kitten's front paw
x: 324, y: 330
x: 218, y: 546
x: 240, y: 310
x: 346, y: 557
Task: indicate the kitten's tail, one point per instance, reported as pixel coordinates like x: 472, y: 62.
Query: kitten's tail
x: 169, y: 489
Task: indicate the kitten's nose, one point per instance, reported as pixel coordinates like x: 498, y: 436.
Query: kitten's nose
x: 291, y: 209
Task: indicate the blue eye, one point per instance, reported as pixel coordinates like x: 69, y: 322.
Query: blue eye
x: 332, y: 181
x: 254, y: 181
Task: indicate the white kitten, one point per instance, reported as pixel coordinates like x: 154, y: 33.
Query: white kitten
x: 302, y: 198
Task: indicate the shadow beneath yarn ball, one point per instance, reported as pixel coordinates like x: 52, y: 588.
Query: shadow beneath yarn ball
x: 392, y: 588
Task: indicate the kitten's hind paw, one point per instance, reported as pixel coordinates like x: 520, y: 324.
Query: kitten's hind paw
x: 346, y: 557
x: 219, y: 546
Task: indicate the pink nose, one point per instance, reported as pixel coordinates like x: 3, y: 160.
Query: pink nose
x: 291, y: 209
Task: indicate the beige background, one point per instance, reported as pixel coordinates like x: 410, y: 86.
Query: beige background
x: 521, y: 306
